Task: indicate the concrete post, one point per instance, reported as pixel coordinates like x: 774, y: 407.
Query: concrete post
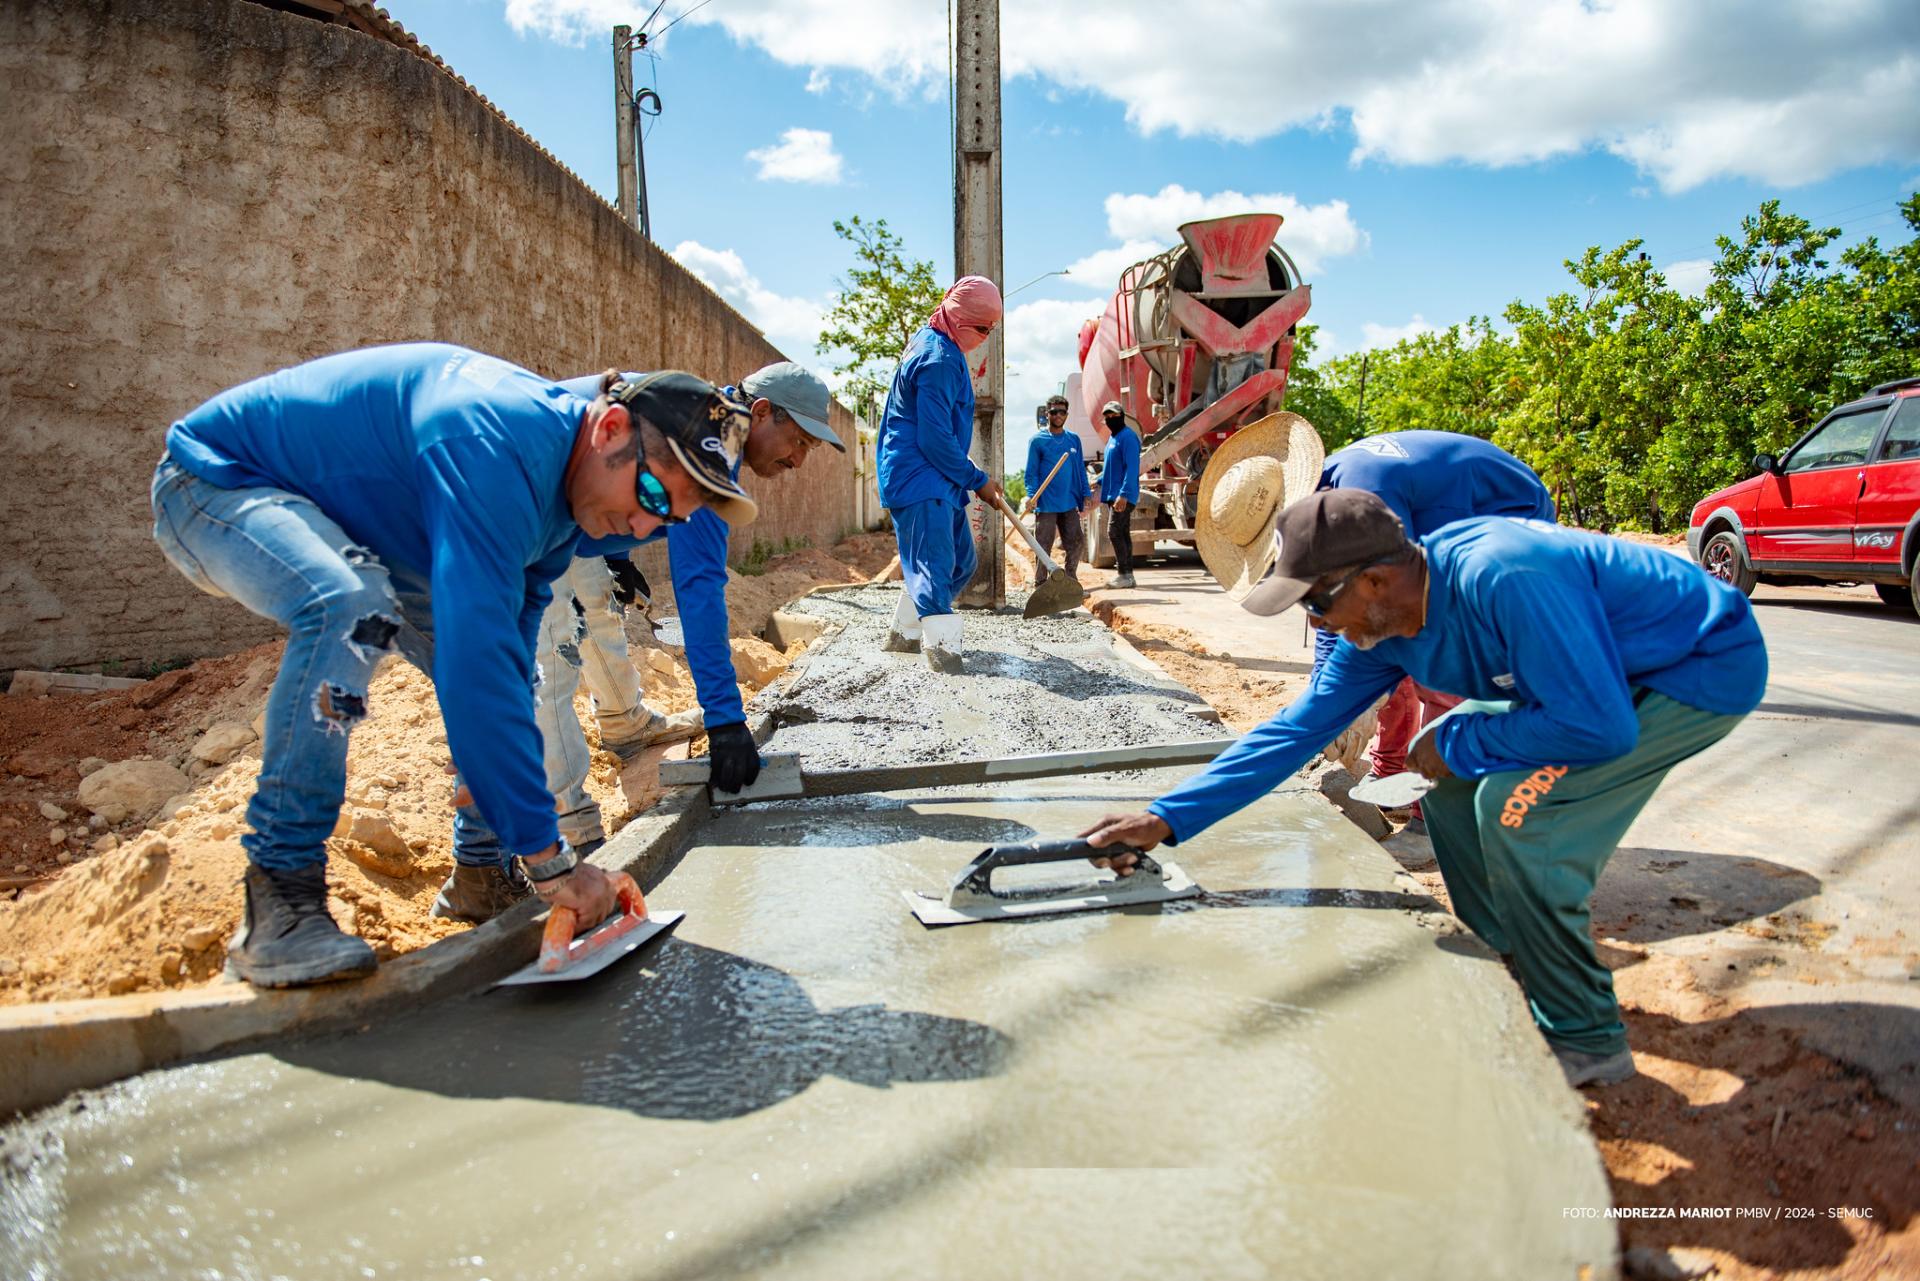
x: 977, y: 252
x: 623, y: 121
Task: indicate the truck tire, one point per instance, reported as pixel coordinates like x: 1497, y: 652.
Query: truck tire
x: 1724, y: 558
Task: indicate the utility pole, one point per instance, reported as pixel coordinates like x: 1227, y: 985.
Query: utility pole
x: 977, y: 252
x: 1360, y: 425
x: 623, y: 121
x: 628, y: 136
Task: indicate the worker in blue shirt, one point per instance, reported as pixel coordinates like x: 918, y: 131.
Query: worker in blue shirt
x: 1060, y: 504
x: 1591, y: 667
x: 1427, y: 479
x: 787, y: 416
x: 925, y: 475
x: 1120, y: 489
x: 417, y: 499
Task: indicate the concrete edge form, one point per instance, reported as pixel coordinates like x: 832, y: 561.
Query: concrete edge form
x: 53, y: 1049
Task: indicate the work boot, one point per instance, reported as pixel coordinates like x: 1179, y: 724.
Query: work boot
x: 1582, y: 1068
x: 904, y: 636
x: 1120, y: 581
x: 287, y: 938
x: 674, y: 728
x: 941, y: 643
x: 478, y: 894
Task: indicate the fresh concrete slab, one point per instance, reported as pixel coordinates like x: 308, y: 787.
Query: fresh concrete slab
x: 1305, y: 1072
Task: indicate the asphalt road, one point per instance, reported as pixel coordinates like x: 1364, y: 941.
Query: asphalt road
x: 1783, y: 864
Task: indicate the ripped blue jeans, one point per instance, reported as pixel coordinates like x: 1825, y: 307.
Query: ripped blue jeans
x: 283, y: 558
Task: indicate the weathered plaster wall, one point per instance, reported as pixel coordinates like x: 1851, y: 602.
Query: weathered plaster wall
x: 199, y: 191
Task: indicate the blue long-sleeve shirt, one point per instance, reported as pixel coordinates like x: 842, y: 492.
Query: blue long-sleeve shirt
x: 1120, y: 473
x: 1433, y: 478
x: 448, y: 465
x: 1564, y: 623
x: 1069, y: 488
x: 697, y: 561
x: 921, y: 452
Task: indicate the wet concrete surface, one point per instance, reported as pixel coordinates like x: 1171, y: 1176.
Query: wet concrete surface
x: 1303, y: 1073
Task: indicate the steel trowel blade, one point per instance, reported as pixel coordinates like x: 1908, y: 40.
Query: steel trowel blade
x: 1060, y: 593
x: 1395, y: 791
x: 656, y: 924
x: 1100, y: 896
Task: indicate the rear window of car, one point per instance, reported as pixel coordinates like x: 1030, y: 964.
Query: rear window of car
x: 1903, y: 435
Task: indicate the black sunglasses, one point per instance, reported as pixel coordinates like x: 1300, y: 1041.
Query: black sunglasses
x: 649, y: 492
x: 1318, y: 603
x: 1052, y: 412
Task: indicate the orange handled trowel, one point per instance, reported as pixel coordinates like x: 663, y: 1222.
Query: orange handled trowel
x: 564, y: 958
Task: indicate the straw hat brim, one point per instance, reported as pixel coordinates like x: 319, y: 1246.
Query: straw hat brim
x: 1292, y: 440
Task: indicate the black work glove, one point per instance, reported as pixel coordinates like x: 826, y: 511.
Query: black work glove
x: 733, y: 760
x: 629, y: 584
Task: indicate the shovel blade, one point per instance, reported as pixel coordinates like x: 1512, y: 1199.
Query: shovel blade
x: 1060, y: 593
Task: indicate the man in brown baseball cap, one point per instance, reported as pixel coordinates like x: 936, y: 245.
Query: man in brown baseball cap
x: 1591, y: 667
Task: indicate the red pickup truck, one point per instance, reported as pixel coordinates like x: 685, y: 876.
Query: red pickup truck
x: 1843, y: 505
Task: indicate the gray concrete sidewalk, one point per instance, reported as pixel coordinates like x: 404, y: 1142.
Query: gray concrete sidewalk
x: 803, y: 1081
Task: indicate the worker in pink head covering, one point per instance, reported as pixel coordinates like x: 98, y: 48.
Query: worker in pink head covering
x: 925, y: 474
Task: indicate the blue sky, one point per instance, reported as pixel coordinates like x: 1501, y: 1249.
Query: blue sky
x: 1436, y: 160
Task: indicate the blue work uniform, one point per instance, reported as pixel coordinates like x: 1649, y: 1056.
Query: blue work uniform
x: 1433, y: 478
x: 425, y: 486
x: 1069, y: 488
x: 1120, y: 472
x: 924, y: 474
x: 1591, y: 667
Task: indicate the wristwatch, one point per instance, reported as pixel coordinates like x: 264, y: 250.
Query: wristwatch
x: 550, y: 869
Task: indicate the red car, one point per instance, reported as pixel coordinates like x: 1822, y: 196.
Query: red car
x: 1843, y: 505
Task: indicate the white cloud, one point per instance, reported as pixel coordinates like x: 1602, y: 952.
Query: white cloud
x: 1147, y: 223
x: 1374, y: 337
x: 1042, y: 341
x: 1689, y: 276
x: 791, y: 324
x: 801, y: 155
x: 1779, y: 91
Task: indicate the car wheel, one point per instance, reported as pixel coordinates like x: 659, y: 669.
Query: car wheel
x: 1721, y: 557
x: 1894, y: 595
x: 1913, y: 585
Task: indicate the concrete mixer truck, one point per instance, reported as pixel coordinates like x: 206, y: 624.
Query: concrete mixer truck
x: 1195, y: 343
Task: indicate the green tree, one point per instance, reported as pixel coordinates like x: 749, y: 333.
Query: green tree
x: 883, y: 299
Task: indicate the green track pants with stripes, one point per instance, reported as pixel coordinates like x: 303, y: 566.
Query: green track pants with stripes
x: 1521, y: 850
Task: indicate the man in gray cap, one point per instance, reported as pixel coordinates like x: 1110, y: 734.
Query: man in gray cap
x: 582, y: 634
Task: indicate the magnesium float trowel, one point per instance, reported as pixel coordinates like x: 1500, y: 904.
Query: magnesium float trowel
x: 566, y: 959
x: 973, y: 897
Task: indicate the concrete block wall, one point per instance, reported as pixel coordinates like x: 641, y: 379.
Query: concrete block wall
x: 195, y: 192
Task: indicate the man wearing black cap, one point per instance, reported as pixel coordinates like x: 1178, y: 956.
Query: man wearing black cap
x: 582, y: 635
x: 417, y: 499
x: 1120, y: 489
x: 1591, y: 667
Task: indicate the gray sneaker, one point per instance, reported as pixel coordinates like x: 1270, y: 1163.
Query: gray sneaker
x: 1582, y: 1068
x: 287, y: 938
x: 478, y: 894
x: 1120, y: 581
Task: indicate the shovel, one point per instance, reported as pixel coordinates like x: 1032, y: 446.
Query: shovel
x: 1061, y: 591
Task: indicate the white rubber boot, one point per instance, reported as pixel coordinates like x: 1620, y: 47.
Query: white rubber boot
x: 942, y: 644
x: 904, y: 637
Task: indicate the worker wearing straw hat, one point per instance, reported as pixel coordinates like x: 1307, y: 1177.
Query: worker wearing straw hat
x: 1259, y: 470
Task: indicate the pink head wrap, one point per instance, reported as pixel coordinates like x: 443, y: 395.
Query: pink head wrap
x: 973, y: 300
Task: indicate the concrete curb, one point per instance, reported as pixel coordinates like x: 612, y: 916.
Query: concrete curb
x: 48, y: 1051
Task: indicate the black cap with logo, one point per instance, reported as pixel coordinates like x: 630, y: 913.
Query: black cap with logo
x: 1328, y: 530
x: 705, y: 430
